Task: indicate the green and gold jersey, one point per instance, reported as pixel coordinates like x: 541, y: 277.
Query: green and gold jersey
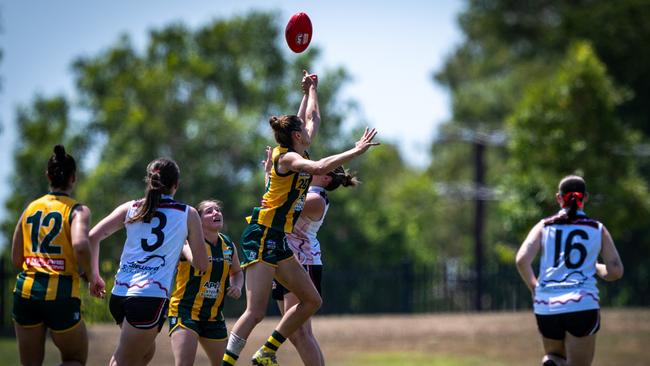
x: 199, y: 295
x: 50, y: 269
x: 284, y: 197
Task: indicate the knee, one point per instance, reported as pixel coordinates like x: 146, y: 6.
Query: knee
x: 255, y: 316
x: 313, y: 303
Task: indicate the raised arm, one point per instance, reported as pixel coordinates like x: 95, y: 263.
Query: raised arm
x: 527, y: 253
x: 612, y: 268
x: 17, y: 251
x: 302, y: 110
x: 294, y: 162
x: 312, y: 113
x: 195, y: 239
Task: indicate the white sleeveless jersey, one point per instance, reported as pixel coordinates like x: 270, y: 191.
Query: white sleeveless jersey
x: 152, y: 250
x: 567, y: 267
x: 303, y: 241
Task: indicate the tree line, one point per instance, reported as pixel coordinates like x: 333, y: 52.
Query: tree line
x: 565, y: 83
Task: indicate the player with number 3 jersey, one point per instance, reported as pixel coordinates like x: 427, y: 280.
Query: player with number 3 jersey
x: 156, y: 229
x: 565, y: 296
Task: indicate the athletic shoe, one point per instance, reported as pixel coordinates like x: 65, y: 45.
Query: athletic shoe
x: 261, y: 358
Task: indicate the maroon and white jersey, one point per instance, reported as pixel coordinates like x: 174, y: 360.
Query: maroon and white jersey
x: 567, y: 267
x: 303, y: 241
x: 151, y: 251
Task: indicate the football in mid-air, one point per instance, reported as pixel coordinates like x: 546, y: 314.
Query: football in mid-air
x: 298, y: 32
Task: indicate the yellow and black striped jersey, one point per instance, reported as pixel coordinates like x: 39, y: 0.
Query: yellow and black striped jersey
x: 199, y: 295
x: 284, y: 197
x: 50, y: 268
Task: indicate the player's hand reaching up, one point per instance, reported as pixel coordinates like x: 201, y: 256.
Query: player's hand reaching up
x: 308, y: 80
x: 365, y: 142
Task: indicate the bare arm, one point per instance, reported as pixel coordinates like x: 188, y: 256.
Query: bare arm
x: 17, y: 251
x: 236, y: 277
x: 527, y: 253
x: 612, y: 268
x: 79, y: 237
x: 312, y: 114
x: 302, y: 110
x: 199, y: 257
x: 294, y: 162
x: 314, y: 206
x: 268, y: 164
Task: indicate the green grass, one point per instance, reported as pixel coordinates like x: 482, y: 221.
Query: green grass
x: 416, y: 359
x: 10, y: 357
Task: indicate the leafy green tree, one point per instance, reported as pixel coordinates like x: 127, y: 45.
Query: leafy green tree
x: 567, y: 124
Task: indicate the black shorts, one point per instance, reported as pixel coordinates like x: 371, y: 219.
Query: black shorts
x: 315, y: 272
x: 140, y: 311
x: 578, y: 324
x: 59, y: 315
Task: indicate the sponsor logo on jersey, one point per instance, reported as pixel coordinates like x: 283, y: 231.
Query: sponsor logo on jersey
x: 149, y: 264
x: 227, y: 255
x: 56, y: 264
x: 210, y: 290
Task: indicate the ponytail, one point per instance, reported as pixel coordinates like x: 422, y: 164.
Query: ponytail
x: 60, y: 168
x: 572, y: 189
x: 162, y: 177
x: 341, y: 177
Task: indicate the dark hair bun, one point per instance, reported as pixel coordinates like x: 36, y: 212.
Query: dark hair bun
x: 274, y: 122
x: 59, y: 152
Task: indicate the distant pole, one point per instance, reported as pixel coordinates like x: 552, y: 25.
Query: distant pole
x: 479, y: 182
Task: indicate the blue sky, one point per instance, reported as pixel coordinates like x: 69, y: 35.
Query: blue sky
x: 390, y: 48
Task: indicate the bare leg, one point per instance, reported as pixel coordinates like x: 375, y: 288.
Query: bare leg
x: 214, y: 349
x: 184, y: 344
x: 554, y: 350
x: 136, y: 346
x: 580, y: 350
x: 72, y: 344
x: 303, y: 338
x: 259, y: 277
x: 291, y: 274
x: 31, y: 344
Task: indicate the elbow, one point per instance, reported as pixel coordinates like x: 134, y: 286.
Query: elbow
x: 616, y: 273
x: 17, y: 262
x: 202, y: 265
x: 81, y: 248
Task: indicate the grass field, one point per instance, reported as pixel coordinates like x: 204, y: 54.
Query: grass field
x: 491, y: 339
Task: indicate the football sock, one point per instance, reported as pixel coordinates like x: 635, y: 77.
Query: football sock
x: 274, y: 342
x: 233, y: 349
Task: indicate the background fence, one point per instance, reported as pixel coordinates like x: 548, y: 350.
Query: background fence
x: 403, y: 288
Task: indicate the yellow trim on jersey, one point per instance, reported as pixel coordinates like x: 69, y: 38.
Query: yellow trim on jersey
x: 284, y: 196
x: 189, y: 290
x: 47, y: 249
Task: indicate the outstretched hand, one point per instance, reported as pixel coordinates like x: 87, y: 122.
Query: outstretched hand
x: 365, y: 142
x: 308, y: 80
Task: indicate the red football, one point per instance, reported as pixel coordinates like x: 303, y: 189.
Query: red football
x: 298, y: 32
